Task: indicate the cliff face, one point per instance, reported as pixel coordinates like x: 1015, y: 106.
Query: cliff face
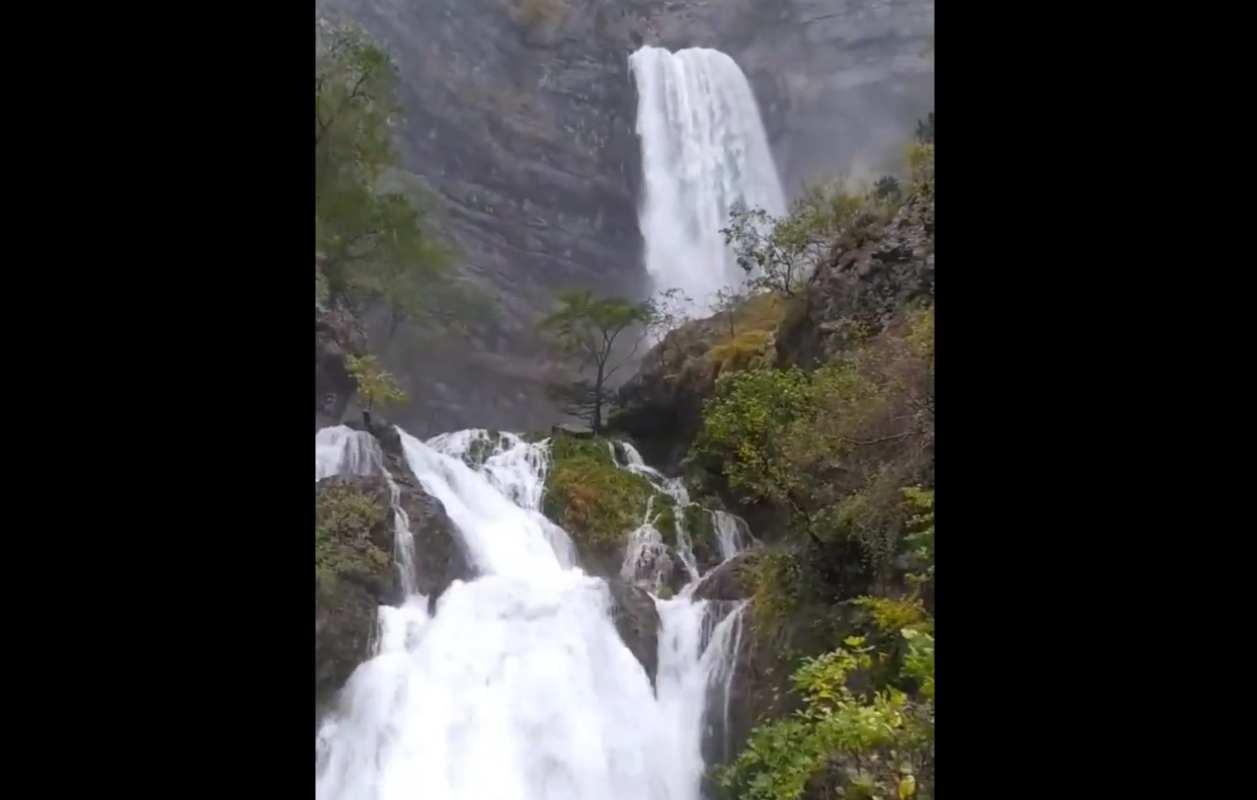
x: 520, y: 122
x: 840, y: 83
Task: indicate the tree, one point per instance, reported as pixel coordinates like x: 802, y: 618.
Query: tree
x: 587, y: 328
x: 668, y: 309
x: 376, y: 387
x: 728, y: 301
x: 778, y: 253
x: 372, y: 245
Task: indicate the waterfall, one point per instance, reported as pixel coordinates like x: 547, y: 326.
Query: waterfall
x: 517, y: 686
x: 704, y: 149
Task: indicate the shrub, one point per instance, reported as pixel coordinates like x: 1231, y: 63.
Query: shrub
x: 841, y: 743
x: 744, y: 425
x: 343, y: 549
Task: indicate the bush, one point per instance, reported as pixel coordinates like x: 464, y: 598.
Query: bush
x: 345, y: 518
x: 840, y: 743
x: 744, y: 425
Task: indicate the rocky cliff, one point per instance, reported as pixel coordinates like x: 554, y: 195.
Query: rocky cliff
x: 519, y: 118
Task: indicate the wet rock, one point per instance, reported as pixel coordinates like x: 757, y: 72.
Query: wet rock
x: 355, y: 565
x: 637, y: 621
x: 354, y: 574
x: 337, y: 334
x: 729, y: 581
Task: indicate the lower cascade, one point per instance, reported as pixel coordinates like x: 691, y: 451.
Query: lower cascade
x: 517, y: 686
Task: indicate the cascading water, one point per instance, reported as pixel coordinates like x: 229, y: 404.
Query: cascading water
x: 518, y: 686
x: 704, y: 149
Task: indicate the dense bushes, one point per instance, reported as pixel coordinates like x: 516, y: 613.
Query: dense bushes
x: 837, y: 461
x: 833, y: 448
x: 844, y: 743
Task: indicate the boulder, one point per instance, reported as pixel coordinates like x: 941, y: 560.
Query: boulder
x: 637, y: 621
x: 355, y: 570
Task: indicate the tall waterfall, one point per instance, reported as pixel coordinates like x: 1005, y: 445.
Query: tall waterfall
x: 704, y: 149
x: 518, y: 686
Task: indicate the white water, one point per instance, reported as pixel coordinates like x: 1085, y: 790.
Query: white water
x: 704, y: 149
x: 518, y: 687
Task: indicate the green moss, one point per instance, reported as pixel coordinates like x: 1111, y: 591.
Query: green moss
x: 343, y: 548
x: 589, y: 496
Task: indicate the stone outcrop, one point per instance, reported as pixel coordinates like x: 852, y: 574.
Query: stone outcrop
x: 354, y: 574
x: 354, y: 557
x: 864, y: 282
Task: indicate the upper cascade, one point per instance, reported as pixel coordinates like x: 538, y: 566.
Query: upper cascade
x: 704, y: 151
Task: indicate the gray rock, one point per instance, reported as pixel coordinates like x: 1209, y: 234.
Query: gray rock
x: 637, y: 621
x: 337, y: 334
x: 365, y: 575
x: 728, y: 581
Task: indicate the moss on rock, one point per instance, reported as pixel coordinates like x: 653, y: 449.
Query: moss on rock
x: 595, y: 501
x: 352, y: 536
x: 354, y: 574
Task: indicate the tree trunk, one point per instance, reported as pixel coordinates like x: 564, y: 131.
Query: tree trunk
x: 596, y: 425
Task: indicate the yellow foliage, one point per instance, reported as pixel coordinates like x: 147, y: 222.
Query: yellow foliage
x: 539, y: 12
x: 746, y: 350
x: 748, y: 338
x: 921, y: 166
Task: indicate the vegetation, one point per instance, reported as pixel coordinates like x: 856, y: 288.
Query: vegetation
x: 780, y: 254
x: 832, y: 448
x: 587, y: 328
x: 540, y: 12
x: 753, y: 325
x: 376, y: 387
x: 837, y: 457
x: 843, y: 743
x: 729, y: 301
x: 668, y: 309
x: 372, y: 245
x: 345, y: 517
x: 595, y: 501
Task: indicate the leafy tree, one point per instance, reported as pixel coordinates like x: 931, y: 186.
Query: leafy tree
x: 376, y: 387
x: 587, y: 328
x: 372, y: 245
x: 771, y: 258
x: 779, y: 253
